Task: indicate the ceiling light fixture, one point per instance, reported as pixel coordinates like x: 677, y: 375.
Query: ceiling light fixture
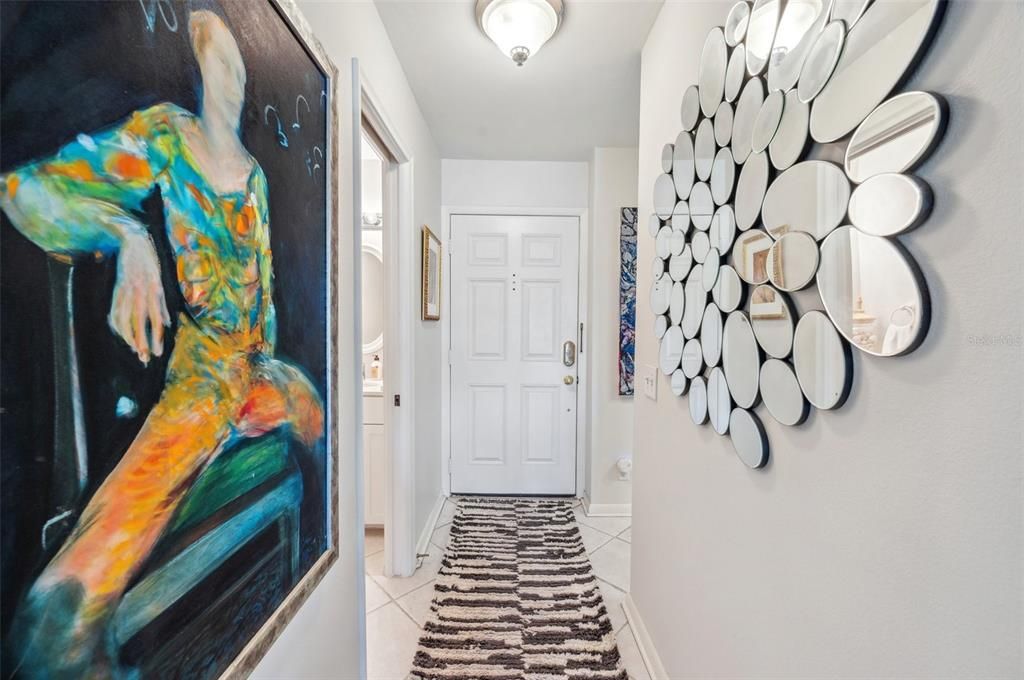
x: 519, y: 27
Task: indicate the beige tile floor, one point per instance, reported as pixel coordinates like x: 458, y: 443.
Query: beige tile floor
x: 396, y: 608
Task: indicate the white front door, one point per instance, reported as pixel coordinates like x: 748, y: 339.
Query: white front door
x: 514, y: 289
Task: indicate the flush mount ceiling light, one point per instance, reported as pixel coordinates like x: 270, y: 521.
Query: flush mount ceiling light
x: 519, y: 27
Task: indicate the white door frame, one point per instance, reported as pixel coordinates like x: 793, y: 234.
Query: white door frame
x: 583, y: 354
x: 400, y: 241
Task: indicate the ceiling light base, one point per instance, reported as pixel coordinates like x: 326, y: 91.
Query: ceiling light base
x: 520, y: 55
x: 519, y: 27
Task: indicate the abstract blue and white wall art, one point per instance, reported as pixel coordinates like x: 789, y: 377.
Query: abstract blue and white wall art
x: 627, y: 298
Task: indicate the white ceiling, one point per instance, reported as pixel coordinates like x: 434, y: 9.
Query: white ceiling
x: 581, y: 90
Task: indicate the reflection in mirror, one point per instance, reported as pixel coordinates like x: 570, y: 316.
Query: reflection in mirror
x: 711, y: 335
x: 741, y: 359
x: 736, y: 24
x: 723, y: 175
x: 654, y: 225
x: 764, y: 18
x: 824, y: 367
x: 748, y: 438
x: 799, y: 27
x: 698, y: 401
x: 677, y: 241
x: 675, y: 304
x: 663, y: 243
x: 793, y: 261
x: 660, y: 325
x: 750, y: 189
x: 702, y: 206
x: 719, y: 403
x: 750, y: 256
x: 689, y: 112
x: 849, y: 11
x: 681, y: 217
x: 679, y: 265
x: 671, y: 350
x: 723, y: 229
x: 890, y: 204
x: 700, y: 246
x: 679, y: 383
x: 723, y: 124
x: 664, y: 196
x: 821, y: 61
x: 896, y: 136
x: 810, y: 197
x: 728, y: 290
x: 767, y: 121
x: 711, y: 78
x: 873, y: 292
x: 693, y: 358
x: 747, y: 108
x: 886, y: 42
x: 771, y: 315
x: 657, y: 266
x: 791, y: 138
x: 735, y: 73
x: 781, y: 393
x: 704, y: 149
x: 682, y: 164
x: 711, y: 263
x: 660, y: 290
x: 373, y: 295
x: 666, y: 158
x: 696, y: 299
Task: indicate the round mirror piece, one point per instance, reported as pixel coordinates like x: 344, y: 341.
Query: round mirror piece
x: 873, y: 292
x: 799, y: 27
x: 764, y: 18
x: 750, y: 256
x: 664, y: 196
x: 671, y: 350
x: 889, y: 204
x: 728, y: 290
x: 747, y: 108
x: 696, y: 300
x: 781, y: 393
x: 663, y: 243
x: 723, y: 125
x: 709, y: 274
x: 657, y: 266
x: 693, y: 358
x: 660, y: 326
x: 682, y: 164
x: 675, y: 304
x: 681, y: 217
x: 723, y: 176
x: 771, y: 316
x: 896, y: 136
x: 702, y: 206
x: 767, y: 121
x: 822, y: 361
x: 821, y: 61
x: 741, y: 359
x: 723, y: 229
x: 654, y: 225
x: 679, y: 382
x: 849, y: 11
x: 679, y: 265
x: 704, y: 149
x: 660, y: 291
x: 793, y: 261
x: 719, y: 403
x: 698, y: 401
x: 750, y: 190
x: 689, y: 112
x: 735, y: 73
x: 791, y: 138
x: 677, y: 241
x: 711, y: 335
x: 748, y: 438
x: 811, y: 197
x: 700, y: 246
x: 666, y: 157
x: 711, y: 78
x: 736, y: 24
x: 887, y: 41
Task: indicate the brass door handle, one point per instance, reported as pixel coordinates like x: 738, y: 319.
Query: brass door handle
x: 568, y: 380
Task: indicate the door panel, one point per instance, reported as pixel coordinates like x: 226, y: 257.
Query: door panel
x: 514, y: 287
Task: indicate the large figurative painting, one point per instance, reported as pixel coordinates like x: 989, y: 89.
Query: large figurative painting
x: 168, y: 350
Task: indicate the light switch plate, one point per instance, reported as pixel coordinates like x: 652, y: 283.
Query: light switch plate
x: 649, y: 381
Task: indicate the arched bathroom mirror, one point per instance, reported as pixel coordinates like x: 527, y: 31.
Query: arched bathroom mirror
x: 373, y: 297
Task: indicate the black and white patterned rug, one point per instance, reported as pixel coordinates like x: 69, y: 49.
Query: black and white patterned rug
x: 516, y: 598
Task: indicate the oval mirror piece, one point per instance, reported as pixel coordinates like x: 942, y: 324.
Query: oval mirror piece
x: 873, y: 292
x: 704, y: 149
x: 736, y: 24
x: 748, y: 438
x: 728, y: 290
x: 767, y: 121
x: 723, y: 125
x: 723, y: 229
x: 660, y: 291
x: 781, y: 393
x: 772, y: 317
x: 750, y: 256
x: 676, y: 241
x: 654, y: 225
x: 719, y: 402
x: 666, y: 158
x: 660, y: 326
x: 679, y: 265
x: 790, y: 139
x: 681, y: 217
x: 824, y: 367
x: 896, y: 136
x: 764, y: 18
x: 683, y: 167
x: 711, y: 335
x: 664, y: 196
x: 821, y: 61
x: 679, y: 383
x: 709, y: 274
x: 700, y: 246
x: 741, y: 359
x: 793, y: 261
x: 735, y: 73
x: 671, y: 350
x: 696, y: 300
x: 698, y: 401
x: 689, y: 111
x: 849, y: 11
x: 693, y: 358
x: 811, y: 197
x: 702, y: 207
x: 711, y: 77
x: 663, y: 243
x: 747, y: 108
x: 801, y: 22
x: 750, y: 189
x: 676, y: 301
x: 888, y: 38
x: 890, y: 204
x: 723, y: 176
x: 657, y: 266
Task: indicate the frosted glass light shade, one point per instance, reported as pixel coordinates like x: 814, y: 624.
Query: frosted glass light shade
x: 519, y: 27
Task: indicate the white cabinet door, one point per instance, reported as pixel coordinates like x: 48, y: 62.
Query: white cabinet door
x: 514, y: 288
x: 373, y: 474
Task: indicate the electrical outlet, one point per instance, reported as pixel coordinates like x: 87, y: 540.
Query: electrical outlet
x: 649, y: 380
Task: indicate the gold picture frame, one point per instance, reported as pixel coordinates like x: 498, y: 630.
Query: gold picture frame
x: 430, y: 291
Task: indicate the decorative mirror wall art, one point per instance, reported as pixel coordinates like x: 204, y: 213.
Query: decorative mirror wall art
x: 744, y: 217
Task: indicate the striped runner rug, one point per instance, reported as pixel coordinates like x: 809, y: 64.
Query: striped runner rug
x: 516, y: 598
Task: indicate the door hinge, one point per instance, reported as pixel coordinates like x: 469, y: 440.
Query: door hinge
x: 398, y: 400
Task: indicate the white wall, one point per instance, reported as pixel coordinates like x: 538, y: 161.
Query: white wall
x: 323, y: 640
x: 613, y: 182
x: 884, y: 539
x: 513, y: 184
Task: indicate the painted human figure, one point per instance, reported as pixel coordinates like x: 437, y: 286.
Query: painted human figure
x: 222, y: 383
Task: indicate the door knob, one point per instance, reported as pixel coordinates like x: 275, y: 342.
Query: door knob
x: 568, y: 380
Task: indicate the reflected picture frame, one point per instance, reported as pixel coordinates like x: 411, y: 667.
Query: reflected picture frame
x: 430, y: 291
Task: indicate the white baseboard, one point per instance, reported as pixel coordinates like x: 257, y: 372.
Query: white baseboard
x: 607, y: 509
x: 428, y: 530
x: 643, y: 640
